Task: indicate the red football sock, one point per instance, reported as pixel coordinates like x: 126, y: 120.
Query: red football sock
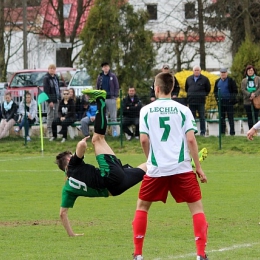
x: 200, y: 226
x: 139, y: 229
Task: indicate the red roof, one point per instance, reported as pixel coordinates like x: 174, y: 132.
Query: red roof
x: 50, y: 23
x: 46, y: 19
x: 15, y: 15
x: 191, y: 37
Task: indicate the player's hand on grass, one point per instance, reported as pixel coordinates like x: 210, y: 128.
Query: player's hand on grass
x: 250, y: 134
x: 201, y: 175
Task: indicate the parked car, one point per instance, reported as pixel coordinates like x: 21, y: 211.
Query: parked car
x: 80, y: 80
x: 31, y: 79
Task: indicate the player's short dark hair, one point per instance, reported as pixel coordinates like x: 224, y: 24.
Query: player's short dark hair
x: 165, y: 81
x: 61, y: 160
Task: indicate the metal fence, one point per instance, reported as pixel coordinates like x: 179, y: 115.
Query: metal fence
x: 211, y: 107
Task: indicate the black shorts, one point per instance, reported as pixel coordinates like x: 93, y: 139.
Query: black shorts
x: 117, y: 178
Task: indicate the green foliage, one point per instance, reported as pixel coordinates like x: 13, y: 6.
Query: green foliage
x: 118, y: 35
x: 248, y: 54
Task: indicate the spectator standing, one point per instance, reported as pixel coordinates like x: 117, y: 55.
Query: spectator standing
x: 9, y: 115
x: 197, y: 87
x: 176, y: 89
x: 52, y: 89
x: 131, y: 111
x: 167, y: 138
x: 66, y: 117
x: 30, y: 106
x: 109, y: 82
x: 89, y: 117
x: 228, y: 93
x: 250, y: 87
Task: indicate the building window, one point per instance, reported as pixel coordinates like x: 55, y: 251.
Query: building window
x: 66, y: 10
x: 152, y: 11
x: 190, y: 10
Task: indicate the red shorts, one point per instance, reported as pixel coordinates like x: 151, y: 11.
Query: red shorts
x: 183, y: 187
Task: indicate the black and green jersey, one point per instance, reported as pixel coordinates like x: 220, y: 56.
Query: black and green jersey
x: 74, y: 188
x: 88, y: 181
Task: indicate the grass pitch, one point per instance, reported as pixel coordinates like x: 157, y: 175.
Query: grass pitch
x: 30, y: 199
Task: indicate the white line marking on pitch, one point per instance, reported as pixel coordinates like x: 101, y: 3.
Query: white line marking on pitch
x: 23, y: 158
x: 212, y: 251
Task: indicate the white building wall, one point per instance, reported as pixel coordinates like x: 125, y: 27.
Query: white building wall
x: 171, y: 17
x: 41, y: 52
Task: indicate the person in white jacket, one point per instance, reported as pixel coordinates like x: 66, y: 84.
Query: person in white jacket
x: 27, y: 107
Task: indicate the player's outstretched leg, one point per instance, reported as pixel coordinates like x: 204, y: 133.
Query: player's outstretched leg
x: 100, y: 123
x: 203, y: 153
x: 94, y: 94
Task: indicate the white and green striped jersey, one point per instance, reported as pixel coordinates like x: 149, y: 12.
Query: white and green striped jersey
x: 166, y: 122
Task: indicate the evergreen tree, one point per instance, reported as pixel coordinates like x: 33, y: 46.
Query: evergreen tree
x: 248, y: 54
x: 115, y: 33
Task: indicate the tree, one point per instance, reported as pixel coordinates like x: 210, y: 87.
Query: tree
x: 47, y: 24
x: 181, y: 35
x: 201, y: 35
x: 240, y: 18
x: 68, y: 27
x: 2, y: 43
x: 114, y: 32
x: 248, y: 54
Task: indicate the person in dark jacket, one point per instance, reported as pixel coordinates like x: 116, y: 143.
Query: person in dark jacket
x: 109, y: 82
x: 227, y: 89
x: 9, y: 115
x: 131, y: 111
x: 66, y: 117
x: 176, y: 89
x: 79, y: 103
x: 51, y: 87
x: 197, y: 87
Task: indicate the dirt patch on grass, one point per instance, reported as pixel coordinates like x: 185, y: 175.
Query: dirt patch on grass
x: 29, y: 223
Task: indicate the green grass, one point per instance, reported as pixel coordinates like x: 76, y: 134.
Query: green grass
x: 229, y: 145
x: 31, y: 192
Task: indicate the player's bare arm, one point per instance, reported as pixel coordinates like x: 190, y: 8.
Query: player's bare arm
x: 81, y: 147
x: 251, y: 133
x: 193, y: 147
x: 65, y: 222
x: 145, y: 143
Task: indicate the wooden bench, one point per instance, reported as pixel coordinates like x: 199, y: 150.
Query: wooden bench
x: 73, y: 131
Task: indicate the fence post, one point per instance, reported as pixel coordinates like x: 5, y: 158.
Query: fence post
x: 121, y: 118
x: 25, y: 118
x: 219, y: 118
